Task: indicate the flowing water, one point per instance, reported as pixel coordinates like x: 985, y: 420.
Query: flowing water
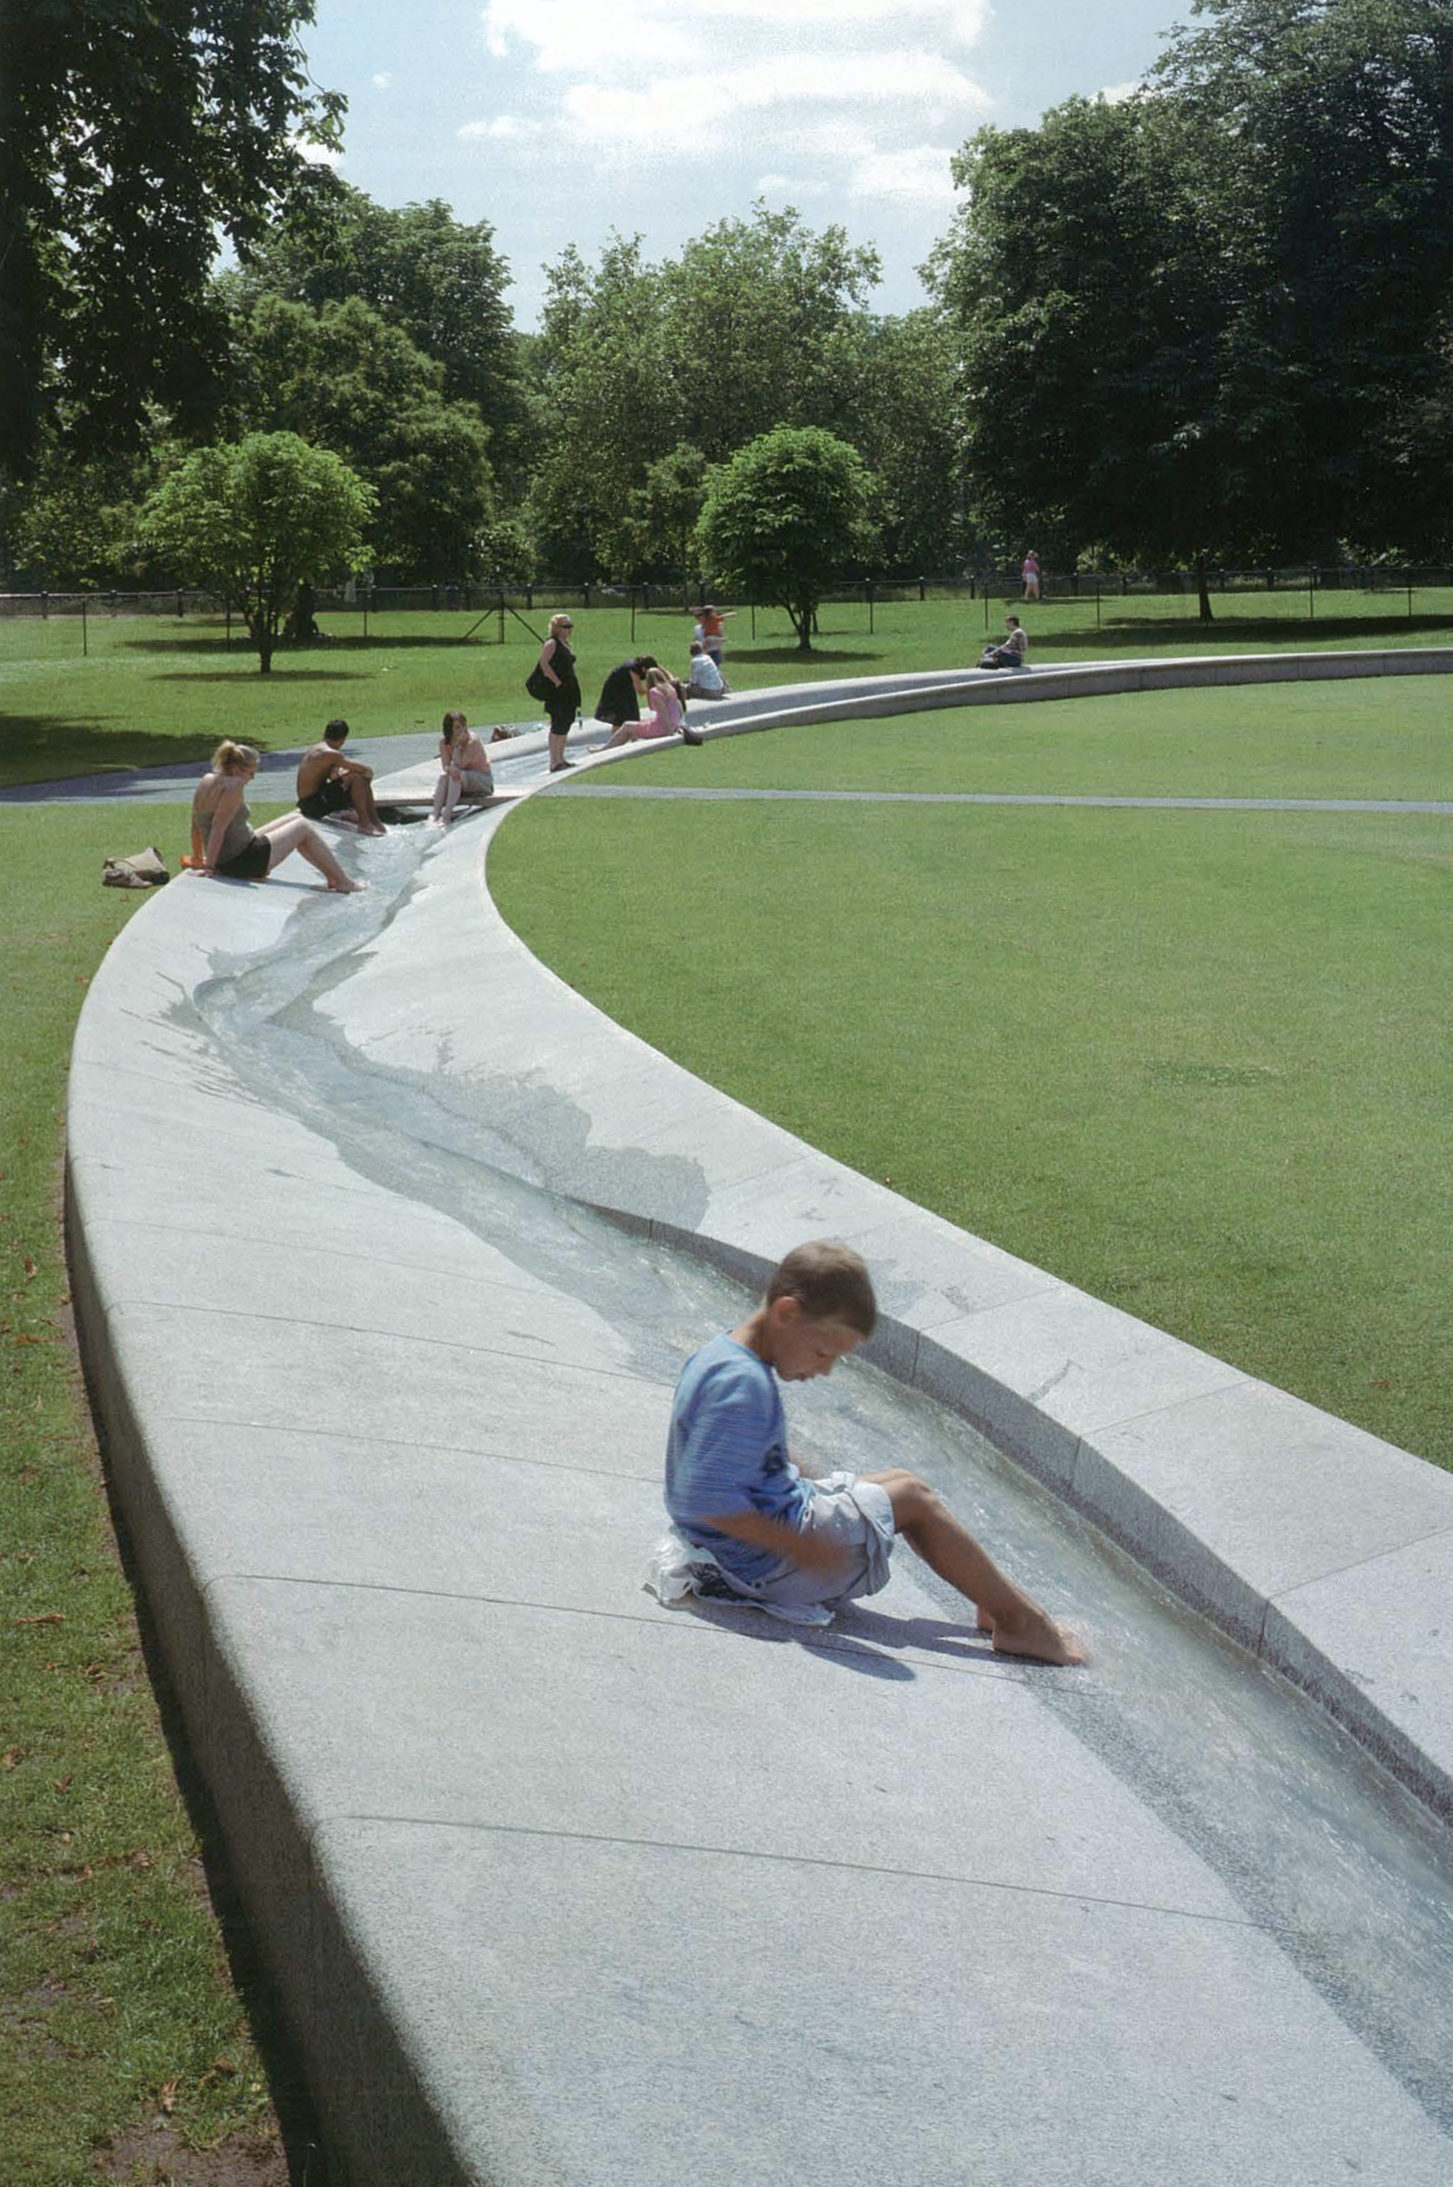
x: 1352, y: 1877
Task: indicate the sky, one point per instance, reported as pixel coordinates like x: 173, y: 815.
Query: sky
x: 560, y: 120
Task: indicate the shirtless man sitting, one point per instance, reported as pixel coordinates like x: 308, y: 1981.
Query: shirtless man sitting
x: 328, y: 783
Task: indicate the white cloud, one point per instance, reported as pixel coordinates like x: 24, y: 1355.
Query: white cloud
x: 502, y: 126
x: 316, y: 155
x: 793, y: 189
x: 382, y: 80
x: 1117, y: 94
x: 918, y: 173
x: 579, y: 34
x: 609, y: 112
x: 867, y: 95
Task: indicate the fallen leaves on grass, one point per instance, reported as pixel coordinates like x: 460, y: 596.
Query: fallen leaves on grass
x: 43, y: 1617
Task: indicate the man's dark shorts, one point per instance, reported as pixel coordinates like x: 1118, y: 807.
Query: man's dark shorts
x: 331, y: 798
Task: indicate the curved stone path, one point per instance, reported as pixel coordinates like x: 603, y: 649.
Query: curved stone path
x: 385, y: 1246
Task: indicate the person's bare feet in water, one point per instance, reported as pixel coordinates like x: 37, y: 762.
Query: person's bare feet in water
x: 345, y: 887
x: 1032, y: 1634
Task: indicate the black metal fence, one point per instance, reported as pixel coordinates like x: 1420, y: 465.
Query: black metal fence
x: 1097, y: 589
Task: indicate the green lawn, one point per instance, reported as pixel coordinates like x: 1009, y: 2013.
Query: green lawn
x: 1344, y: 740
x: 1195, y: 1062
x: 158, y: 689
x: 115, y: 1993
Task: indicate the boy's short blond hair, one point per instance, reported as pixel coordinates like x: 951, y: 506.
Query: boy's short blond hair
x: 830, y: 1282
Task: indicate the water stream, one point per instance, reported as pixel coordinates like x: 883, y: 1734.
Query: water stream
x: 1352, y: 1877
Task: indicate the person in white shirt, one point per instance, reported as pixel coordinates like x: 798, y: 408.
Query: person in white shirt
x: 706, y: 680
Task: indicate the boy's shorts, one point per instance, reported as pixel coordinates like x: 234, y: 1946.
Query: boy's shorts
x: 855, y: 1515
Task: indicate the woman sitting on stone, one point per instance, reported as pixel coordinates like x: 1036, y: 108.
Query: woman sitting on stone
x: 464, y: 768
x: 665, y: 714
x: 226, y: 846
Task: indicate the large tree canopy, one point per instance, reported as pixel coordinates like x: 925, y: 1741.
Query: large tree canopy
x: 758, y: 323
x: 785, y: 517
x: 130, y: 137
x: 344, y: 379
x: 439, y: 280
x: 1213, y: 320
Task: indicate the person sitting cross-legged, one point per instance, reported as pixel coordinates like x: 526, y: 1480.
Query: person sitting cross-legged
x: 1010, y: 651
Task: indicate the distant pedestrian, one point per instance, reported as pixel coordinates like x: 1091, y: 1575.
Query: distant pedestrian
x: 711, y: 620
x: 1029, y: 572
x: 562, y: 701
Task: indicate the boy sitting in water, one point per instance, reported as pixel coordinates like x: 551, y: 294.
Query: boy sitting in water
x: 781, y: 1540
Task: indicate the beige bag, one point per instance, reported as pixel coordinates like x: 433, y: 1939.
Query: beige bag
x: 147, y: 869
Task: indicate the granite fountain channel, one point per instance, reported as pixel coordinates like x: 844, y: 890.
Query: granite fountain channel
x: 1317, y: 1845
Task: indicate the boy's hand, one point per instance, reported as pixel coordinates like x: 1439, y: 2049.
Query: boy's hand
x: 778, y: 1540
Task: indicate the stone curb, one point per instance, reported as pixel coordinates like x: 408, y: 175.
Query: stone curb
x: 1170, y: 1451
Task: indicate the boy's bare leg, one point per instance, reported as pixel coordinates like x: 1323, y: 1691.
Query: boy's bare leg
x: 1015, y: 1621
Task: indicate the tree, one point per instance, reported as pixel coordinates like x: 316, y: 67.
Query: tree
x: 757, y: 324
x: 79, y: 521
x: 1083, y: 292
x: 757, y: 329
x: 607, y: 397
x: 1211, y: 322
x: 130, y: 138
x: 439, y: 281
x: 255, y: 519
x: 784, y: 517
x: 1323, y: 131
x: 907, y: 433
x: 344, y: 379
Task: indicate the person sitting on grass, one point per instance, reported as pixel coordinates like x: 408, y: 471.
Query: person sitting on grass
x: 328, y: 783
x: 225, y: 846
x: 464, y: 769
x: 706, y: 680
x: 1010, y: 652
x: 801, y: 1545
x: 665, y: 714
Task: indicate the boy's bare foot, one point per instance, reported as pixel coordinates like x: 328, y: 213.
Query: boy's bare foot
x: 1034, y: 1635
x: 345, y: 887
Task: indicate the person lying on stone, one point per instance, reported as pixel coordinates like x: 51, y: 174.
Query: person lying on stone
x: 328, y: 783
x: 778, y: 1538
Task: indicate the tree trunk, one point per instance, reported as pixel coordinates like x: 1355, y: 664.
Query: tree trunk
x: 802, y: 617
x: 1203, y: 590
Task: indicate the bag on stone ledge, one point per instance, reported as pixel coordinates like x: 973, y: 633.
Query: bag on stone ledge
x: 147, y: 869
